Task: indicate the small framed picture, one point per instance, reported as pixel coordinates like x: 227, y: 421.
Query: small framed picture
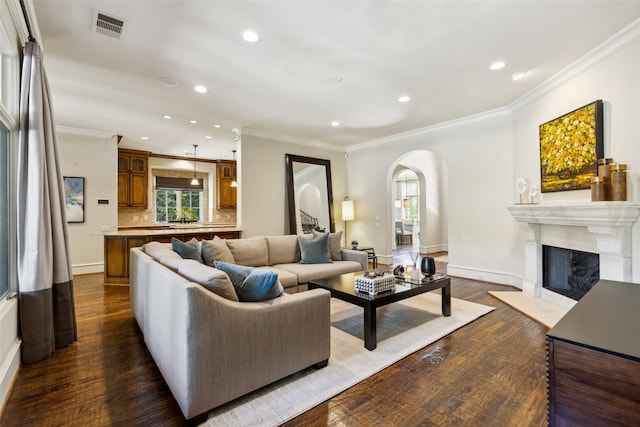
x: 74, y: 198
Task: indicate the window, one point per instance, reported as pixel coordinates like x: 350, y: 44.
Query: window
x: 176, y: 201
x: 409, y: 192
x: 4, y: 211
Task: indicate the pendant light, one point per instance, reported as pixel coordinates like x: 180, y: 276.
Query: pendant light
x: 405, y: 201
x: 234, y: 183
x: 397, y: 202
x: 195, y: 181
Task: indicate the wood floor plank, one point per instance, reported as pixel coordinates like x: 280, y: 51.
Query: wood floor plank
x: 490, y: 372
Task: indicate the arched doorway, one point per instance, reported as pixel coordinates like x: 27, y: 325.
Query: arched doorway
x: 429, y: 217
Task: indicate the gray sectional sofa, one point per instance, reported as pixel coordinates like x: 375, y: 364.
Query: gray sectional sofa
x: 212, y: 349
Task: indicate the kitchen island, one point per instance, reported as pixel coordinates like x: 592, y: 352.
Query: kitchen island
x: 118, y: 243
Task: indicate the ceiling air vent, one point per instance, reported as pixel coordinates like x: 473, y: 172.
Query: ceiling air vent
x: 108, y: 25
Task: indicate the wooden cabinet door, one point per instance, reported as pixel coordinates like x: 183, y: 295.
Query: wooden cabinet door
x: 224, y: 193
x: 123, y: 189
x: 138, y: 164
x: 123, y: 164
x: 138, y: 190
x: 116, y: 257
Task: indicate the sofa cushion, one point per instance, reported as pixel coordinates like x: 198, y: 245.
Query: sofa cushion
x: 187, y: 250
x: 216, y: 250
x: 283, y: 249
x: 335, y: 242
x: 306, y: 272
x: 217, y: 281
x: 286, y: 278
x: 251, y: 252
x: 314, y: 251
x: 163, y: 253
x: 252, y: 284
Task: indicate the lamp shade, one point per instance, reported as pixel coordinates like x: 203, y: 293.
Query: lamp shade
x: 406, y: 203
x: 347, y: 210
x: 398, y: 203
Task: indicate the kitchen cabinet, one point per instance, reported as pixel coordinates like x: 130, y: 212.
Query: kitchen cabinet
x: 132, y: 178
x: 226, y: 195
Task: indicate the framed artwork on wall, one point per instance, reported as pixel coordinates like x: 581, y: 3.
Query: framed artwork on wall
x: 74, y: 198
x: 570, y: 147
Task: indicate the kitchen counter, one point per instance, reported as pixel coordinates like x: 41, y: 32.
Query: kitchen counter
x: 117, y: 244
x: 172, y: 229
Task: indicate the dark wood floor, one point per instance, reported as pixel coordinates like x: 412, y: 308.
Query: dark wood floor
x: 489, y: 373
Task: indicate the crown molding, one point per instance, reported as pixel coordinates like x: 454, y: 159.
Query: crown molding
x: 289, y: 139
x: 603, y: 50
x: 431, y: 129
x: 85, y: 132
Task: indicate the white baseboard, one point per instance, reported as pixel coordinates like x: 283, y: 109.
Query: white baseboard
x: 96, y: 267
x: 498, y: 277
x: 433, y: 249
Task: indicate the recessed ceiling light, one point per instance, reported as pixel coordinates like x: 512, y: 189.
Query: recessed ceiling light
x: 335, y: 123
x: 208, y: 137
x: 168, y: 81
x: 216, y: 126
x: 517, y: 76
x: 404, y: 98
x: 200, y: 89
x: 250, y: 36
x: 166, y: 116
x: 144, y: 137
x: 193, y: 122
x: 497, y: 66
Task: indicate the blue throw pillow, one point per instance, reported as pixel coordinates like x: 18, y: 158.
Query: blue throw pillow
x: 187, y: 250
x: 252, y: 284
x: 315, y: 251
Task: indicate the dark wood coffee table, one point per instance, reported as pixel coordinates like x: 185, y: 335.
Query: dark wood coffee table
x: 342, y: 288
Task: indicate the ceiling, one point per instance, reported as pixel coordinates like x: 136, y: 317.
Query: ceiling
x: 316, y: 62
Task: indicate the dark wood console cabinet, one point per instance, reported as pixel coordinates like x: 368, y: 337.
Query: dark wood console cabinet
x: 593, y: 356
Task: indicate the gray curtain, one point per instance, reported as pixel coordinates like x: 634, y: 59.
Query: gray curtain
x: 45, y: 281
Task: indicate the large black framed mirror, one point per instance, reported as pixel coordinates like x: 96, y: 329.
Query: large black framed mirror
x: 310, y: 196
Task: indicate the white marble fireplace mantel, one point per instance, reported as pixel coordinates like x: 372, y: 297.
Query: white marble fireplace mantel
x: 597, y: 227
x: 593, y: 214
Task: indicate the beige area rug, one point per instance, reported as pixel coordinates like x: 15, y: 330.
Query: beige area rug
x: 540, y: 310
x: 403, y: 328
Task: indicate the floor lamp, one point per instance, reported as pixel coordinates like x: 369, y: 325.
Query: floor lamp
x: 347, y: 215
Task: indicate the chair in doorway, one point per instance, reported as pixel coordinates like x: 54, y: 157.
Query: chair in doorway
x: 402, y: 232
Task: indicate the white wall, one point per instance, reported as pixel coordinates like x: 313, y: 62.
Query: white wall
x: 477, y: 152
x: 94, y: 156
x: 610, y: 73
x: 262, y: 189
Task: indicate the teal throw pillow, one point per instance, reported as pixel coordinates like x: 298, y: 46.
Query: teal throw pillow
x: 316, y: 250
x: 250, y: 283
x: 187, y: 250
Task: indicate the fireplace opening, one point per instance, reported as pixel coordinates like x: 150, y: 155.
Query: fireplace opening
x: 568, y: 272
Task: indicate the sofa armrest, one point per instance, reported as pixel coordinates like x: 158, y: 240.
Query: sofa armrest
x: 358, y: 256
x: 241, y: 346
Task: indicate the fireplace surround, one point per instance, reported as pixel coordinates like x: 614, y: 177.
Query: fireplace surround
x: 603, y: 228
